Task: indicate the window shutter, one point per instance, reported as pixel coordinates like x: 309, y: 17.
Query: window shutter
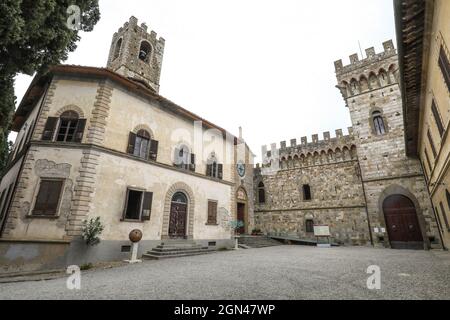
x: 79, y: 131
x: 220, y: 171
x: 176, y: 157
x: 209, y: 170
x: 131, y: 143
x: 125, y: 207
x: 192, y: 165
x: 154, y: 150
x: 212, y: 212
x: 444, y: 65
x: 49, y: 130
x: 147, y: 206
x: 48, y: 198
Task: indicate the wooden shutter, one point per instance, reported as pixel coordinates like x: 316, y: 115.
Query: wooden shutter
x: 437, y: 118
x: 176, y: 158
x: 154, y: 150
x: 79, y: 130
x: 192, y: 165
x: 147, y: 206
x: 444, y: 65
x: 48, y: 198
x: 209, y: 170
x: 131, y: 143
x: 220, y: 171
x: 49, y: 129
x: 212, y: 212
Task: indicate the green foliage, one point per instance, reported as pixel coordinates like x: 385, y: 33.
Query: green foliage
x: 92, y: 230
x: 86, y: 266
x: 7, y: 103
x: 33, y: 36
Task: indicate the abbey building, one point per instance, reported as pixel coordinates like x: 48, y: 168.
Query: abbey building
x: 101, y: 142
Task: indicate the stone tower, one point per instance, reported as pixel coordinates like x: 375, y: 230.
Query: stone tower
x: 137, y: 54
x: 371, y: 91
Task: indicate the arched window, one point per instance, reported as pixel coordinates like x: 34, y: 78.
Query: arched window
x: 378, y: 123
x: 213, y: 168
x: 307, y: 192
x: 183, y: 158
x: 68, y: 124
x: 142, y: 144
x: 261, y: 193
x: 117, y: 48
x: 145, y: 51
x: 179, y: 197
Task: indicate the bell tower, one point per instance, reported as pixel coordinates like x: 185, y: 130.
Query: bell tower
x: 137, y: 54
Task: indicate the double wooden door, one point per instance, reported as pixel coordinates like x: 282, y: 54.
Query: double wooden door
x: 402, y: 223
x: 177, y: 223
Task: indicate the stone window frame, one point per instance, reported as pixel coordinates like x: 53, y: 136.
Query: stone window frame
x: 36, y: 190
x: 372, y: 124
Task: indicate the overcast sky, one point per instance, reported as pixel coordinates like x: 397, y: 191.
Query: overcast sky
x: 264, y: 65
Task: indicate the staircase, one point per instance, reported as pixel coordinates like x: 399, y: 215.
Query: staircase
x: 175, y: 249
x: 258, y: 241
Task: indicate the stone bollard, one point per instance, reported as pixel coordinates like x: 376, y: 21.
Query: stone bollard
x: 135, y: 236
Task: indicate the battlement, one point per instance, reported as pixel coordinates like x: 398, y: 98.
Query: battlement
x: 142, y: 29
x: 372, y: 56
x: 309, y: 147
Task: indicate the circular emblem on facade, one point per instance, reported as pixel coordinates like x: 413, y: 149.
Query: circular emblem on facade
x: 241, y: 169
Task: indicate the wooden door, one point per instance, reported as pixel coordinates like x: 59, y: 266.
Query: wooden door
x: 402, y: 223
x: 177, y: 223
x: 241, y: 217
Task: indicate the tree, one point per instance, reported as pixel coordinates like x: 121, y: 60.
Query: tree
x: 34, y: 35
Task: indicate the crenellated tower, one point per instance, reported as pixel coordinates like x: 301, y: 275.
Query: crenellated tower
x: 371, y: 91
x: 137, y: 54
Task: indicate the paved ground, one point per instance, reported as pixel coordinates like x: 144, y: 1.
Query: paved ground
x: 285, y: 272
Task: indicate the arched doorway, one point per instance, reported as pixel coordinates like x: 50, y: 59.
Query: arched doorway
x: 178, y: 216
x: 242, y: 210
x: 402, y: 223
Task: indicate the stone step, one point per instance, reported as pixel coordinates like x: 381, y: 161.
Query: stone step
x: 152, y: 256
x: 175, y: 252
x: 178, y: 249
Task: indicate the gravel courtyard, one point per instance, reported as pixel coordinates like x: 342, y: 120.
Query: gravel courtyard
x: 284, y: 272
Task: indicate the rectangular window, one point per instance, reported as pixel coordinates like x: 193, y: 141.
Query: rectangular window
x: 306, y: 192
x: 444, y: 65
x: 309, y: 225
x: 138, y: 205
x: 444, y: 215
x: 430, y: 140
x: 48, y: 198
x: 212, y: 212
x: 2, y: 198
x: 437, y: 118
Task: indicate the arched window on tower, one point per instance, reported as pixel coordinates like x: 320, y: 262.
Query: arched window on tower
x: 117, y: 48
x: 261, y: 193
x: 145, y: 51
x: 378, y: 123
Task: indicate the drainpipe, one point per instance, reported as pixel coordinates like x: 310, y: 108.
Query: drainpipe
x: 432, y: 208
x: 365, y: 201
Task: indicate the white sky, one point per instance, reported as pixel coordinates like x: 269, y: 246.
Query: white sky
x: 264, y: 65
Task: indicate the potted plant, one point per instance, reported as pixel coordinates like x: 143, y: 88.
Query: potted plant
x: 91, y: 231
x: 236, y: 225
